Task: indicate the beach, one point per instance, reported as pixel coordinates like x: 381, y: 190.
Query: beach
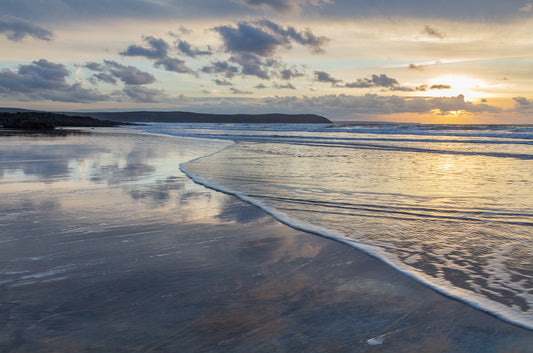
x: 107, y: 246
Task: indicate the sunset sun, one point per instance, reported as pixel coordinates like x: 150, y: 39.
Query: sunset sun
x: 454, y: 85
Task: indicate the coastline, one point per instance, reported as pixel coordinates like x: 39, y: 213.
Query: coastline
x: 108, y: 246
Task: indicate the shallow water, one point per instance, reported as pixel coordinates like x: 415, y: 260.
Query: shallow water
x: 449, y: 205
x: 106, y: 246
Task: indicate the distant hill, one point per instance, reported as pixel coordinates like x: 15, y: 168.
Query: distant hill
x: 188, y: 117
x: 15, y: 110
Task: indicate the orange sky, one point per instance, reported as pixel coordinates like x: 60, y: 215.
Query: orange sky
x: 346, y: 60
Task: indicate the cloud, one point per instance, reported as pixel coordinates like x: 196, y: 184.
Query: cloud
x: 433, y: 32
x: 17, y: 29
x: 523, y: 105
x: 174, y: 65
x: 372, y: 104
x: 322, y: 76
x: 184, y: 30
x: 260, y: 86
x: 221, y: 67
x: 45, y: 80
x: 253, y: 47
x: 111, y: 70
x: 522, y: 101
x: 287, y: 74
x: 186, y: 49
x: 381, y: 80
x: 264, y: 38
x: 223, y: 82
x: 306, y: 37
x: 285, y: 6
x: 143, y: 94
x: 238, y: 91
x: 440, y: 87
x: 249, y: 39
x: 83, y: 11
x: 104, y: 77
x: 288, y: 85
x: 157, y: 50
x: 415, y: 67
x: 253, y: 65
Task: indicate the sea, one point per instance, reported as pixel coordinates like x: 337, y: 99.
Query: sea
x: 449, y: 205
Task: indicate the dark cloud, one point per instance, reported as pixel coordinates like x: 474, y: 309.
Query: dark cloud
x: 184, y: 30
x: 522, y: 101
x: 287, y: 74
x: 249, y: 39
x: 186, y: 49
x: 17, y: 29
x: 130, y: 75
x: 157, y: 49
x: 381, y: 80
x: 440, y: 87
x: 282, y: 6
x: 104, y: 77
x: 222, y: 68
x: 174, y: 65
x: 223, y: 82
x: 288, y: 85
x: 253, y: 47
x: 306, y: 37
x: 265, y: 37
x: 415, y: 67
x: 44, y: 80
x: 253, y: 65
x: 111, y: 70
x: 94, y: 66
x: 433, y: 32
x: 238, y: 91
x: 261, y: 86
x: 322, y: 76
x: 143, y: 94
x: 523, y: 105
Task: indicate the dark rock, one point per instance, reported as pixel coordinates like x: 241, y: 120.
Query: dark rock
x: 48, y: 121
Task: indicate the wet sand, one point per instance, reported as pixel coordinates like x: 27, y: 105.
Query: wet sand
x: 105, y: 246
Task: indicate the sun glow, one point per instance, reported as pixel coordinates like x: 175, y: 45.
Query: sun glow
x: 454, y: 85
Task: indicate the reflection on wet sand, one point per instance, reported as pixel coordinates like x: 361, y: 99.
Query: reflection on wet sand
x: 110, y: 248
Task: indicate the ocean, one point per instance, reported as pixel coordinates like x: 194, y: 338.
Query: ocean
x: 449, y: 205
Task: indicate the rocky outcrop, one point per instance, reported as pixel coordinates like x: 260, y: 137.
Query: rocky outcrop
x: 49, y: 121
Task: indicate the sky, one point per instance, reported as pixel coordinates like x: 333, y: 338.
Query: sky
x: 468, y: 61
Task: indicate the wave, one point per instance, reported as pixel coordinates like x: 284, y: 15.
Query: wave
x: 441, y: 286
x: 446, y: 205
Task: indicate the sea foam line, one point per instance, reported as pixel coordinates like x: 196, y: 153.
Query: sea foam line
x: 496, y: 309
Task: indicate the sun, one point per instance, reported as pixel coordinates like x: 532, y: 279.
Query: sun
x: 454, y: 85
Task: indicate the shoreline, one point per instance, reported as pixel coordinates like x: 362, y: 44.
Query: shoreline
x: 144, y: 258
x: 444, y: 289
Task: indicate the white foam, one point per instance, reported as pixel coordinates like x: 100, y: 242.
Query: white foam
x: 509, y: 314
x: 44, y: 274
x: 440, y: 285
